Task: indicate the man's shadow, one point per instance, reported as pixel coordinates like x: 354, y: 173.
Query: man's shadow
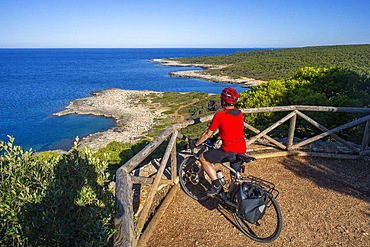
x: 75, y: 210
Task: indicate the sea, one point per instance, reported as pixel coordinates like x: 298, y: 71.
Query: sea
x: 35, y: 83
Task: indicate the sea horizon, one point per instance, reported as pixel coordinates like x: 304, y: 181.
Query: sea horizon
x: 38, y: 82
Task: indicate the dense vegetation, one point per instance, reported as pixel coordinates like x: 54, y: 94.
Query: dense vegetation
x: 54, y: 200
x: 283, y: 63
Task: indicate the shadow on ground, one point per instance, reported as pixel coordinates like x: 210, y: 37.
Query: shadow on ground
x: 350, y: 177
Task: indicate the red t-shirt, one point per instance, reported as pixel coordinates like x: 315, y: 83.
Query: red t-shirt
x: 230, y: 123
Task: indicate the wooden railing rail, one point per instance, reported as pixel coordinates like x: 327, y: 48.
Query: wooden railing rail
x: 128, y: 233
x: 296, y: 110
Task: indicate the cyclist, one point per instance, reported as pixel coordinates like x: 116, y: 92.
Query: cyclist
x: 230, y: 123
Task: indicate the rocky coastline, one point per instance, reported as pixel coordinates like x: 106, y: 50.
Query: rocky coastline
x: 133, y: 117
x: 200, y: 74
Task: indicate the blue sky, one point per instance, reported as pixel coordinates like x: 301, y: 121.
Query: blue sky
x: 186, y: 23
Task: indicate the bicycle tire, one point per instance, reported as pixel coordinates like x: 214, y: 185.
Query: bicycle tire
x: 196, y: 189
x: 268, y: 228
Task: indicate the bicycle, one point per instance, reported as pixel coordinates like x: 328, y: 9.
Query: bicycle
x: 195, y: 182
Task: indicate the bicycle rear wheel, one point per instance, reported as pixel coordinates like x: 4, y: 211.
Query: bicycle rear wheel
x: 266, y: 229
x: 193, y: 180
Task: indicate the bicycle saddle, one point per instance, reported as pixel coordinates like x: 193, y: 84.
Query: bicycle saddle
x: 245, y: 158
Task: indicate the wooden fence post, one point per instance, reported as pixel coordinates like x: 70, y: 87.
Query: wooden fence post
x: 124, y: 220
x: 173, y: 164
x: 292, y: 124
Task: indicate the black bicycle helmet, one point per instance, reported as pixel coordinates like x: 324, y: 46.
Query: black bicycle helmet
x: 230, y: 96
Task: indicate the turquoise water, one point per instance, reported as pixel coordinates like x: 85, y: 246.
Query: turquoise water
x: 35, y: 83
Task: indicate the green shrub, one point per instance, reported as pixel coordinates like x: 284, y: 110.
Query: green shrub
x: 55, y: 200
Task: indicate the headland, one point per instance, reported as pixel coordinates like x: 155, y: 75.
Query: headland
x: 201, y: 74
x: 133, y: 116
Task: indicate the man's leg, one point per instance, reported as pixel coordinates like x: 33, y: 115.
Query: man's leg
x: 211, y: 171
x: 208, y: 167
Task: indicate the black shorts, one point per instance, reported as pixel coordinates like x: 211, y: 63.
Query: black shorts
x: 218, y: 156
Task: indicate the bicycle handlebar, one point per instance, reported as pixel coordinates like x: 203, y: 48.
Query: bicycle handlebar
x: 202, y: 147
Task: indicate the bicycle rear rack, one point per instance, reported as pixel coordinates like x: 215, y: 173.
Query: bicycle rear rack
x: 269, y: 186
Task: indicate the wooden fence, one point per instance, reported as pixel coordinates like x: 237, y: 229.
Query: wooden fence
x: 129, y: 229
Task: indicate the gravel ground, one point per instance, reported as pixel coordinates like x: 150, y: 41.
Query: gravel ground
x: 324, y: 202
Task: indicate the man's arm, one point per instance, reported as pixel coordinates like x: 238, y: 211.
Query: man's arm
x: 207, y: 134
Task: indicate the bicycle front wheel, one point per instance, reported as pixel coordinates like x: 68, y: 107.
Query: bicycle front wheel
x: 266, y: 229
x: 194, y: 181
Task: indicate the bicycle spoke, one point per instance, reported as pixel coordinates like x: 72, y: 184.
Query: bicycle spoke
x: 192, y: 179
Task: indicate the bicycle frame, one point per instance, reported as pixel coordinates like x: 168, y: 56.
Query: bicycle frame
x: 235, y: 181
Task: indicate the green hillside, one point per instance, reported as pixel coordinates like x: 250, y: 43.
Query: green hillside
x: 283, y: 63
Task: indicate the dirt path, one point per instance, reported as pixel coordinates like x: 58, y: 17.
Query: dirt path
x: 325, y: 202
x: 179, y: 117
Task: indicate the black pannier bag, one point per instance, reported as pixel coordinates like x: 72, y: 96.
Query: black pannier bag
x: 252, y: 202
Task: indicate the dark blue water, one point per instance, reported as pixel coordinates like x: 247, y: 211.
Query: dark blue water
x: 35, y: 83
